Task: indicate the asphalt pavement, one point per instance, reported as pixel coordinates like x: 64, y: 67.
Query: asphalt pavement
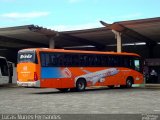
x: 14, y: 100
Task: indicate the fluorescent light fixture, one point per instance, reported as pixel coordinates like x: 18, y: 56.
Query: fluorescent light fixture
x: 129, y: 44
x: 85, y: 46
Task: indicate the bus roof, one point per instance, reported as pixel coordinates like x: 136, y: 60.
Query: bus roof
x: 79, y: 51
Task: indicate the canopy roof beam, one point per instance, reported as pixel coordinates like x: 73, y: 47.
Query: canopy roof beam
x: 71, y: 38
x: 131, y: 33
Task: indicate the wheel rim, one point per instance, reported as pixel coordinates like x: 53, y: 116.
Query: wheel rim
x: 129, y: 83
x: 81, y: 85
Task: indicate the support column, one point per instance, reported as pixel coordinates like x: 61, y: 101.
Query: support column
x: 119, y: 40
x: 51, y: 42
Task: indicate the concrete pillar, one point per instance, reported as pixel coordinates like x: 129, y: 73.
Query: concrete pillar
x: 51, y: 42
x: 119, y: 40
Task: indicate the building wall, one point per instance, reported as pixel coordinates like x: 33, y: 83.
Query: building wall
x: 157, y: 51
x: 11, y: 55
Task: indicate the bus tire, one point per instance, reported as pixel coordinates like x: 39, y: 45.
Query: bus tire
x: 80, y: 84
x: 129, y: 82
x: 63, y: 89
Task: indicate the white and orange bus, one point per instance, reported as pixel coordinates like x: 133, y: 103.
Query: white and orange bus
x: 74, y: 69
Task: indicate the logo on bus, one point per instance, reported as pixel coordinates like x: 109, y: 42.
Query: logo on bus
x: 26, y: 56
x: 66, y: 73
x: 25, y: 68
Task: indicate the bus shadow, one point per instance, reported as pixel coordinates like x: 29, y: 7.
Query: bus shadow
x: 2, y: 86
x: 93, y: 90
x: 6, y: 86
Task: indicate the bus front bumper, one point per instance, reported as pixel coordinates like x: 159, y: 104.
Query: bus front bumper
x: 29, y: 84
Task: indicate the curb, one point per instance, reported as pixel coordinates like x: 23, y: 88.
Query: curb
x: 152, y: 86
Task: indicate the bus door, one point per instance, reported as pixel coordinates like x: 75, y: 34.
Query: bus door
x: 138, y: 67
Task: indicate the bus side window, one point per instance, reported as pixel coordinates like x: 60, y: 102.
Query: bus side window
x: 96, y: 60
x: 4, y: 67
x: 68, y: 60
x: 120, y: 61
x: 111, y: 61
x: 43, y: 61
x: 81, y: 60
x: 75, y: 60
x: 53, y: 60
x: 60, y: 60
x: 128, y: 62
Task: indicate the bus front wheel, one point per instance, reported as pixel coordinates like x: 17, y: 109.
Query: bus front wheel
x: 129, y: 82
x: 80, y: 85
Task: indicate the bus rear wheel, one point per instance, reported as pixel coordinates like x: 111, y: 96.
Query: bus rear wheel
x: 80, y: 85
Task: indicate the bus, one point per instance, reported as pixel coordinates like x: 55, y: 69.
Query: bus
x: 4, y: 71
x: 68, y: 70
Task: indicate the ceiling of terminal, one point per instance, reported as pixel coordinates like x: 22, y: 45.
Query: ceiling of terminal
x: 143, y: 30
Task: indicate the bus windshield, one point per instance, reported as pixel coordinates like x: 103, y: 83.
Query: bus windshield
x: 28, y: 56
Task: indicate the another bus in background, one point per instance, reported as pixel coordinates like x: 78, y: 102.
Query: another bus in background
x: 75, y: 70
x: 4, y: 71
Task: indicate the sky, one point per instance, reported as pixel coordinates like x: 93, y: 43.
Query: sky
x: 64, y: 15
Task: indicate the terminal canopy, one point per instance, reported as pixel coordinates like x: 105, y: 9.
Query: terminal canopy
x: 134, y: 32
